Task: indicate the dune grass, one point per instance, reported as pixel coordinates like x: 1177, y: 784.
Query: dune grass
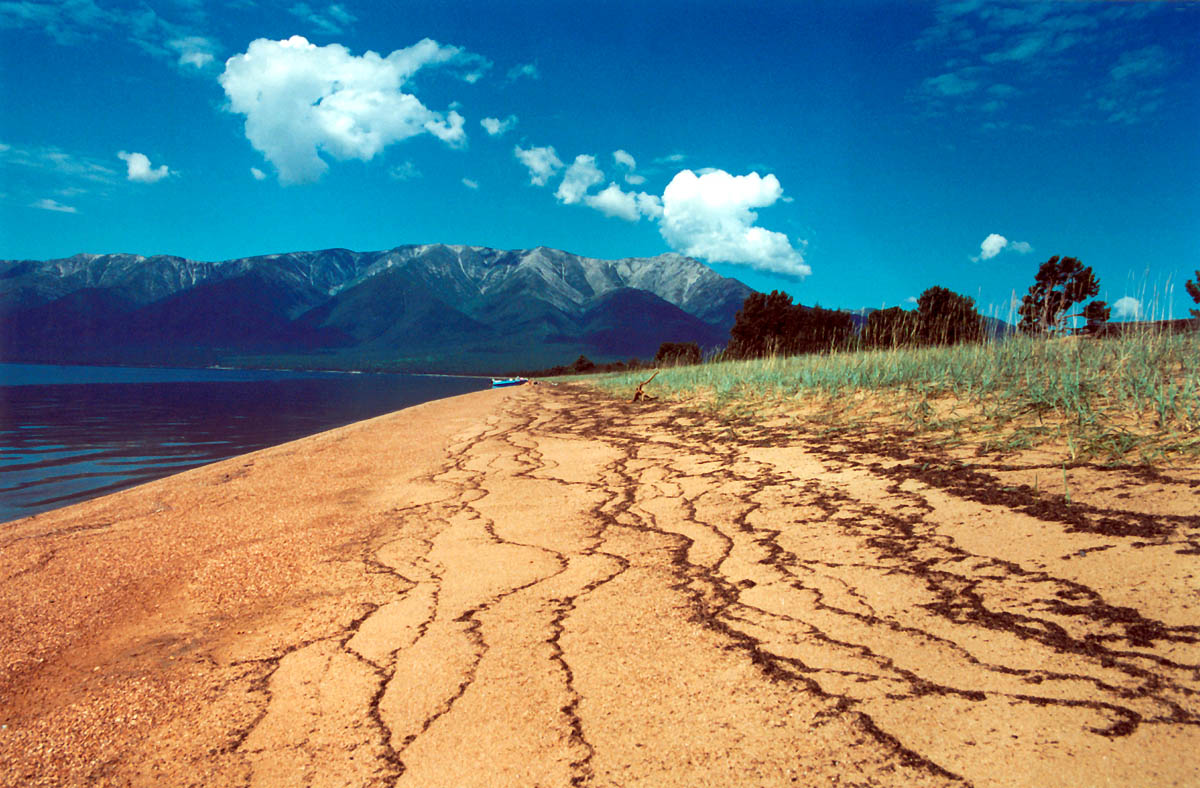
x: 1127, y: 399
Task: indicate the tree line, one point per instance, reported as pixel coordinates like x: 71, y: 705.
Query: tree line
x: 771, y: 324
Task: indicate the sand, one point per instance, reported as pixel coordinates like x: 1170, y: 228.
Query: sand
x: 543, y: 587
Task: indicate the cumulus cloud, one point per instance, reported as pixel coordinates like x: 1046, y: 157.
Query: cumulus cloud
x: 1127, y: 308
x: 709, y: 216
x: 613, y: 201
x: 542, y: 163
x: 301, y: 100
x: 992, y: 246
x: 46, y: 204
x: 470, y: 184
x: 496, y: 127
x: 258, y: 174
x: 995, y: 243
x: 138, y: 168
x: 582, y: 175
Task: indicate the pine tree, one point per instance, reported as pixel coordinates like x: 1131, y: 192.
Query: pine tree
x: 1060, y: 283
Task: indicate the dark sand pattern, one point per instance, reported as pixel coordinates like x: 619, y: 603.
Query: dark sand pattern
x: 542, y: 587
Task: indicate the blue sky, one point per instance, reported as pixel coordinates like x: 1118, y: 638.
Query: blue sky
x: 850, y: 153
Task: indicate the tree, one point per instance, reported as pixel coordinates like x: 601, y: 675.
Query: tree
x: 771, y: 323
x: 1060, y: 283
x: 947, y: 318
x: 762, y: 325
x: 582, y: 365
x: 1193, y: 289
x: 1096, y: 313
x: 889, y: 328
x: 678, y: 353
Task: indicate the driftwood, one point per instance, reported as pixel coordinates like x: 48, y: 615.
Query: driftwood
x: 639, y: 394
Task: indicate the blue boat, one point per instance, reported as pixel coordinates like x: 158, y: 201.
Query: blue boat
x: 499, y: 383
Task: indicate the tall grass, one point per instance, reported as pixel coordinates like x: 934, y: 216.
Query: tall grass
x: 1107, y: 398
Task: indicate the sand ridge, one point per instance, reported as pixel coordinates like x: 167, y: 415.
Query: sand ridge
x: 545, y: 587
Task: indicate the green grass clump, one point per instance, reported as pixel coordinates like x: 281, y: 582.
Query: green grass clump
x: 1111, y: 397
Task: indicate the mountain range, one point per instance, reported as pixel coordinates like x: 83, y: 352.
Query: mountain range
x: 429, y: 308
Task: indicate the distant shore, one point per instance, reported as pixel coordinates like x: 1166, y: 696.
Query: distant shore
x: 546, y: 586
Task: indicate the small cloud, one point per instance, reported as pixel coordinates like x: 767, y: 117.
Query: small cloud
x: 582, y: 175
x: 496, y: 127
x: 542, y: 163
x: 46, y: 204
x: 1127, y: 308
x: 195, y: 51
x: 258, y: 174
x: 992, y: 246
x: 911, y: 300
x: 673, y: 158
x: 995, y: 243
x: 138, y: 168
x: 404, y: 171
x: 470, y: 184
x: 529, y: 70
x: 624, y: 159
x: 615, y: 202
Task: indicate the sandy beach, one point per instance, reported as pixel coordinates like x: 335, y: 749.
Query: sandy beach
x: 544, y: 587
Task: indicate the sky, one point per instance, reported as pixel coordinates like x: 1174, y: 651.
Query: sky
x: 849, y: 153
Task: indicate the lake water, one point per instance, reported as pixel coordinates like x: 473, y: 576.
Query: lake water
x: 72, y: 433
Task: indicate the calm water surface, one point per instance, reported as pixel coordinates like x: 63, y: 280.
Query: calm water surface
x: 72, y: 433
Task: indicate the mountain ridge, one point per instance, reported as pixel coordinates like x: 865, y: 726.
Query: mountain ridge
x: 426, y: 307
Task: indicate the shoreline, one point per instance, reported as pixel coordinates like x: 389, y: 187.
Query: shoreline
x: 536, y: 585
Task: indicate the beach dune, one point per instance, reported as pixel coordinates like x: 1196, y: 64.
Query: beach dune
x: 544, y: 587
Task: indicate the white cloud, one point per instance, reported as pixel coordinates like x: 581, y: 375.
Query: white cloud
x: 258, y: 174
x: 138, y: 168
x: 625, y: 160
x: 995, y: 243
x: 195, y: 51
x: 525, y: 70
x: 613, y: 201
x: 992, y: 246
x: 674, y: 158
x: 543, y: 163
x: 582, y: 175
x: 709, y: 216
x: 496, y: 127
x: 46, y: 204
x: 301, y: 100
x: 911, y: 300
x: 1127, y: 308
x: 470, y: 184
